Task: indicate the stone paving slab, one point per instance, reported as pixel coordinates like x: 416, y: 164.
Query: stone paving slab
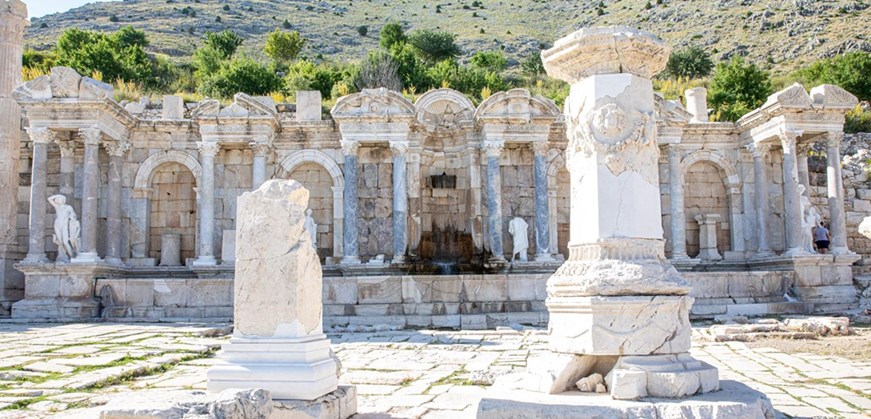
x: 425, y: 374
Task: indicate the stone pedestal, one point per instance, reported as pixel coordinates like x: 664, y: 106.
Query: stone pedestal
x: 278, y: 342
x: 170, y: 249
x: 708, y: 237
x: 59, y: 291
x: 228, y: 247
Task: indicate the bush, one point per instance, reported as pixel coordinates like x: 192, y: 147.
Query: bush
x: 857, y: 120
x: 379, y: 70
x: 488, y: 60
x: 117, y: 56
x: 434, y: 46
x: 693, y: 62
x: 413, y: 72
x: 851, y: 71
x: 305, y: 75
x: 41, y: 60
x: 283, y: 46
x: 362, y: 30
x: 392, y: 34
x: 532, y: 65
x: 241, y: 75
x: 226, y: 42
x: 737, y: 88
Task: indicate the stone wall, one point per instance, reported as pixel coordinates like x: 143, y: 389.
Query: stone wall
x: 518, y: 194
x: 445, y: 209
x: 705, y: 193
x: 173, y: 209
x: 319, y: 183
x: 375, y: 202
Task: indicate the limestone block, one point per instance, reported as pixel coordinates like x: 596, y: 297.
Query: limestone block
x: 249, y: 403
x: 173, y: 107
x: 308, y: 106
x: 379, y: 289
x: 228, y: 246
x: 170, y: 249
x: 670, y: 376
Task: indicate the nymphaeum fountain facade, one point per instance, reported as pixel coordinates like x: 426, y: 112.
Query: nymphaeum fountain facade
x: 401, y: 189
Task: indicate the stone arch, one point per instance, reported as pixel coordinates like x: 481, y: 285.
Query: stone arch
x: 732, y: 183
x: 444, y: 109
x: 299, y: 158
x: 147, y: 168
x: 557, y: 196
x: 518, y: 104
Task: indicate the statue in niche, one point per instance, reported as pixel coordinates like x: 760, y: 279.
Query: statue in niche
x: 311, y: 227
x: 810, y: 218
x: 66, y: 229
x: 517, y: 228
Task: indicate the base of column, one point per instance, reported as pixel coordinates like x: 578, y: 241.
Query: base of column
x: 114, y: 261
x: 398, y: 259
x: 764, y: 254
x: 205, y: 261
x: 290, y: 369
x: 141, y: 262
x: 841, y: 251
x: 544, y: 257
x: 350, y: 260
x: 796, y: 251
x: 35, y: 259
x: 87, y: 258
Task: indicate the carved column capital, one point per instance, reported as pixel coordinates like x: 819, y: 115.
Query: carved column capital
x: 40, y: 135
x: 758, y: 150
x: 117, y: 148
x: 788, y: 139
x: 350, y: 147
x: 493, y: 148
x: 208, y: 148
x: 540, y: 148
x: 834, y: 138
x: 91, y: 136
x: 399, y: 148
x: 67, y: 148
x: 260, y: 149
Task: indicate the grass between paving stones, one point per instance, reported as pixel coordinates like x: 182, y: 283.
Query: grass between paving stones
x: 456, y: 379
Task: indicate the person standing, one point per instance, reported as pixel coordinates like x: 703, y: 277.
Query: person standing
x: 822, y: 238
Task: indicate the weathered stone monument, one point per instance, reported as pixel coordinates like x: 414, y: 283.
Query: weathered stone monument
x: 278, y: 342
x: 617, y: 307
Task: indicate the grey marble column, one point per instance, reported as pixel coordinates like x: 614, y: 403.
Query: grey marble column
x: 791, y: 195
x: 760, y: 180
x: 116, y: 152
x: 349, y: 149
x: 803, y: 171
x: 835, y: 193
x: 542, y: 212
x: 493, y: 150
x: 400, y: 200
x: 206, y: 211
x: 258, y: 169
x: 90, y: 195
x: 676, y: 202
x: 36, y: 243
x: 67, y: 169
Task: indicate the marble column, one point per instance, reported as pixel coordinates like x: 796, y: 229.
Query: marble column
x: 676, y: 202
x: 791, y: 196
x: 542, y: 212
x: 116, y: 151
x: 206, y: 210
x: 760, y: 179
x: 90, y: 195
x: 258, y: 169
x: 835, y: 193
x: 349, y: 149
x: 801, y: 156
x: 400, y: 200
x: 493, y: 150
x: 67, y: 169
x: 36, y: 243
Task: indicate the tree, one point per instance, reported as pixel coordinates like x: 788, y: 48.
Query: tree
x: 693, y: 62
x: 226, y: 42
x: 532, y: 64
x: 207, y: 60
x: 488, y: 60
x: 128, y: 37
x: 362, y: 30
x: 283, y: 46
x: 850, y: 71
x: 241, y: 74
x: 379, y: 70
x: 117, y: 56
x: 412, y: 71
x: 737, y: 88
x: 434, y: 46
x: 392, y: 34
x: 305, y: 75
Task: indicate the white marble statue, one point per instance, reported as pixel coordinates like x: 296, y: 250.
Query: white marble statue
x: 517, y: 228
x: 810, y: 218
x: 311, y: 227
x: 66, y: 229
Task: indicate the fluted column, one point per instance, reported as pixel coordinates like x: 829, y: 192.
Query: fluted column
x: 835, y: 193
x: 206, y: 216
x: 676, y: 201
x: 791, y: 196
x: 400, y: 200
x: 493, y: 150
x: 36, y: 243
x: 349, y: 149
x: 258, y: 168
x: 116, y: 152
x: 90, y: 195
x: 760, y: 179
x: 542, y: 212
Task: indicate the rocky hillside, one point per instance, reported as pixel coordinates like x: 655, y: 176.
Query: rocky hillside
x: 782, y: 33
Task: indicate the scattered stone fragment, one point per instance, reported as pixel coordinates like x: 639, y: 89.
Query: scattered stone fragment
x: 601, y: 389
x: 591, y: 383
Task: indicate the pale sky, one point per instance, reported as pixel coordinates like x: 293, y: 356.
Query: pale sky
x: 38, y: 8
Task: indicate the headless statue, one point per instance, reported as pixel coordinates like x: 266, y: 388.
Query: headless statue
x: 311, y: 227
x: 66, y: 229
x: 517, y: 228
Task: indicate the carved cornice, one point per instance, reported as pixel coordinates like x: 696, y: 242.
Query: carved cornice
x: 399, y: 148
x: 208, y: 148
x: 117, y: 148
x: 40, y: 135
x: 349, y: 148
x: 493, y: 148
x: 91, y: 136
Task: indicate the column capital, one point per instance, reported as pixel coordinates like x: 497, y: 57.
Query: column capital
x: 758, y: 150
x: 399, y: 148
x: 208, y: 148
x: 493, y: 148
x: 834, y: 138
x: 672, y: 149
x: 117, y: 148
x: 40, y: 135
x: 91, y: 135
x: 67, y: 148
x: 804, y: 147
x: 260, y: 149
x: 349, y: 147
x: 540, y: 148
x: 788, y: 139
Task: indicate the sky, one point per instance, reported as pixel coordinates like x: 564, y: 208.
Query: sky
x: 39, y: 8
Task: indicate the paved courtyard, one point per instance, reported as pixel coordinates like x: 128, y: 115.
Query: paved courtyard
x: 69, y: 369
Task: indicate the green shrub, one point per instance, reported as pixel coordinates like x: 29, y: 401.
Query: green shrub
x: 737, y: 88
x: 851, y: 71
x: 243, y: 75
x: 283, y: 46
x: 692, y: 62
x: 392, y: 34
x: 434, y: 46
x: 857, y: 120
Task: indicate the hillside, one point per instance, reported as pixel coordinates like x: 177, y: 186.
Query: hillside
x: 785, y: 34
